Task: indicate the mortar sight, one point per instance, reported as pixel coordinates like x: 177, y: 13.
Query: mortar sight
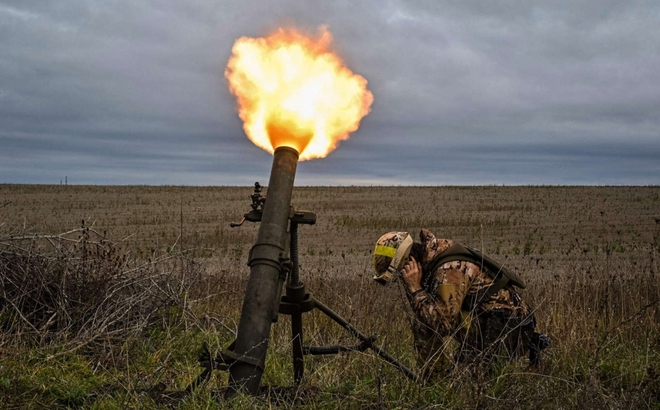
x: 258, y: 201
x: 299, y: 217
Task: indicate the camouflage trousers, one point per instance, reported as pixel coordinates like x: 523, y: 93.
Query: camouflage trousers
x: 483, y: 337
x: 498, y: 333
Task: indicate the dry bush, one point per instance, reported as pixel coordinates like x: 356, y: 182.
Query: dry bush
x: 79, y: 287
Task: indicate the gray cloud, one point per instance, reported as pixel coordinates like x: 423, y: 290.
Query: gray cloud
x: 514, y: 92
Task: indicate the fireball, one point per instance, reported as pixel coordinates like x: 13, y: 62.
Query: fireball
x: 292, y: 90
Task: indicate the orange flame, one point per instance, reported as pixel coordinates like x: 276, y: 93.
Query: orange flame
x: 293, y: 91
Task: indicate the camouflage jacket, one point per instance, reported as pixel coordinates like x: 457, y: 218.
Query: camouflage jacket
x: 448, y: 307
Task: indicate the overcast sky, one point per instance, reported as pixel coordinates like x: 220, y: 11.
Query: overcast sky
x: 465, y: 92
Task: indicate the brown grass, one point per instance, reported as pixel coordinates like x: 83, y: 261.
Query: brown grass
x: 588, y: 254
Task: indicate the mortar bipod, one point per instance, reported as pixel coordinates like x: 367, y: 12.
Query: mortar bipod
x: 297, y: 301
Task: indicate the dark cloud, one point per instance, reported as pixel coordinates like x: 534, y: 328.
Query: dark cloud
x: 513, y: 92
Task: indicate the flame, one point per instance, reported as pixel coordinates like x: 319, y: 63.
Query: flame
x: 293, y: 91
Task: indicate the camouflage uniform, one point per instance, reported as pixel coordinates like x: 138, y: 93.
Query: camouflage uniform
x: 453, y: 303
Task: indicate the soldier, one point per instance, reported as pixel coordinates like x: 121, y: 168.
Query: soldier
x: 456, y: 291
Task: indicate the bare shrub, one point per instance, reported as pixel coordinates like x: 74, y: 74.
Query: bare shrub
x: 78, y: 287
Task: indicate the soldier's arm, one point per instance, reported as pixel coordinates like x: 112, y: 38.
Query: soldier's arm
x: 441, y: 311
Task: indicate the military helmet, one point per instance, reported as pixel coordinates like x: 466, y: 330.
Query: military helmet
x: 390, y: 255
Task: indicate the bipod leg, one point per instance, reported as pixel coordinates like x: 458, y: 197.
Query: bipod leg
x: 295, y: 303
x: 295, y: 294
x: 297, y: 347
x: 366, y: 340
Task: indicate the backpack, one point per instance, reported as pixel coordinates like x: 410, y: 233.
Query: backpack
x: 501, y: 276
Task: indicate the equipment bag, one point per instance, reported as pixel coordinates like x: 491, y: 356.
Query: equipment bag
x: 501, y: 276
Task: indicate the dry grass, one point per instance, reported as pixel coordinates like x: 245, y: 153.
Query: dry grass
x: 588, y: 254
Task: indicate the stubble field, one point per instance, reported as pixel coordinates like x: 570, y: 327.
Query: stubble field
x: 588, y: 256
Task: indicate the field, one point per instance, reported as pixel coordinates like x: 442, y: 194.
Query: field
x: 110, y: 292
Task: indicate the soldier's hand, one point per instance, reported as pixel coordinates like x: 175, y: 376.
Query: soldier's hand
x: 412, y: 275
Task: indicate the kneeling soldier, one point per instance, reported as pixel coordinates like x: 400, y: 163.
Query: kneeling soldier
x: 456, y: 291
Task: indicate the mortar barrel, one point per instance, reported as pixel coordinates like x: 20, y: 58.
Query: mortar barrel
x: 265, y: 283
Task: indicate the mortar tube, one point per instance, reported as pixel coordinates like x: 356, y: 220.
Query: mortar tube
x: 264, y: 285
